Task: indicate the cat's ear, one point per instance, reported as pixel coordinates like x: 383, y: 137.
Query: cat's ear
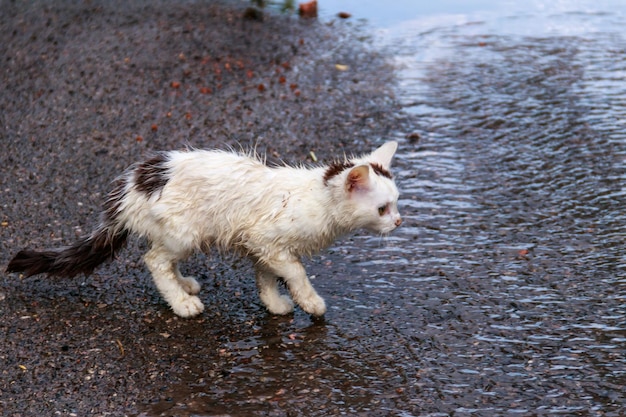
x: 384, y: 154
x: 358, y: 178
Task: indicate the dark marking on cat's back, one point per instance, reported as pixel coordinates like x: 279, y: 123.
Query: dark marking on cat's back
x: 380, y: 170
x: 336, y: 168
x: 114, y: 201
x: 152, y: 175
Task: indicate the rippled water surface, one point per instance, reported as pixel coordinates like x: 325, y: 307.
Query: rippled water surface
x: 504, y: 292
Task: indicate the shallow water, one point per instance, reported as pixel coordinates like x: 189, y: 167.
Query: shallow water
x: 504, y: 291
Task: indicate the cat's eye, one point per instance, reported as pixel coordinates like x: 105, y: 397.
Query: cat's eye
x: 382, y: 209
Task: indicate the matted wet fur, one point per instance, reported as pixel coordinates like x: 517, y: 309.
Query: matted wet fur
x: 183, y: 201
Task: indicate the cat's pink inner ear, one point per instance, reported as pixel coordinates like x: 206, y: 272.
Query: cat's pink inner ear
x: 358, y: 178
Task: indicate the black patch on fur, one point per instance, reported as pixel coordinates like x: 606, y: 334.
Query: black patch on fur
x: 114, y: 201
x: 380, y: 170
x: 152, y: 175
x: 336, y: 168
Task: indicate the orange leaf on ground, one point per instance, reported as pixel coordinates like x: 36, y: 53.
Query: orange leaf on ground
x: 308, y: 9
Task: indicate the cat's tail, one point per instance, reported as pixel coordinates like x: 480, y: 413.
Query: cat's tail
x: 83, y: 256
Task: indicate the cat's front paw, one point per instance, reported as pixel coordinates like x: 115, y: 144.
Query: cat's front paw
x: 190, y: 285
x: 188, y: 306
x: 314, y: 305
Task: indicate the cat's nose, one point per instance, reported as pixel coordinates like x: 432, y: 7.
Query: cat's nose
x: 398, y: 221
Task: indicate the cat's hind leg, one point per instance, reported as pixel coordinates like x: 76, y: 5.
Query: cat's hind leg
x: 189, y: 284
x: 302, y: 292
x: 267, y: 284
x: 162, y: 263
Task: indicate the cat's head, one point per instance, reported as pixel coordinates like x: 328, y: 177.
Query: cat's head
x: 368, y: 191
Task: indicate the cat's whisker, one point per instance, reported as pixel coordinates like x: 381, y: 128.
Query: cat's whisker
x: 384, y: 239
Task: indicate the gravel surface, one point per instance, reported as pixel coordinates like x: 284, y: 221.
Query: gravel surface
x: 90, y: 88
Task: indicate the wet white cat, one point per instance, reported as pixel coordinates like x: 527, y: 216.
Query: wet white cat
x: 183, y: 201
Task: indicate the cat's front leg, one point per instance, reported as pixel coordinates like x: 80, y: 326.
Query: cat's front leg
x: 302, y: 292
x: 267, y: 284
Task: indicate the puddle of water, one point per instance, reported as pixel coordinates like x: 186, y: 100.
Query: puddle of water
x: 504, y: 290
x: 536, y: 122
x: 501, y: 17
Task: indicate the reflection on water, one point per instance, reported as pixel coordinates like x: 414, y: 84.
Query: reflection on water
x: 504, y: 292
x: 527, y: 235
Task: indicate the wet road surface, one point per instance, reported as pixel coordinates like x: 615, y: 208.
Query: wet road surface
x: 501, y: 294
